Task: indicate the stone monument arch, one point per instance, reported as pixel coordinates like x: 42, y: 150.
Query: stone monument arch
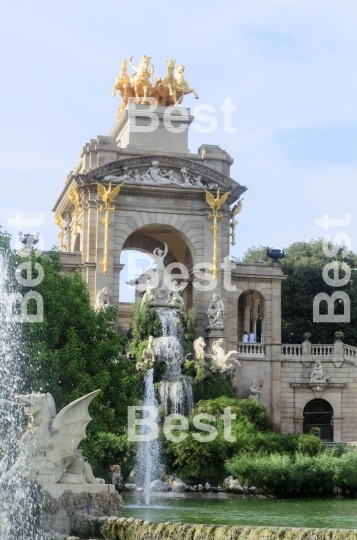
x: 141, y: 188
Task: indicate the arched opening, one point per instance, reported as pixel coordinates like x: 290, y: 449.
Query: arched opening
x: 251, y: 315
x: 318, y: 413
x: 136, y: 256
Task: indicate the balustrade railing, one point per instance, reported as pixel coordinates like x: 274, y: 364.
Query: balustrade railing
x: 311, y: 352
x: 322, y: 350
x: 350, y: 352
x: 251, y: 349
x: 291, y: 350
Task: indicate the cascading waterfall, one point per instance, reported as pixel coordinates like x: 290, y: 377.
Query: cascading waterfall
x: 176, y: 394
x: 148, y: 457
x: 19, y: 508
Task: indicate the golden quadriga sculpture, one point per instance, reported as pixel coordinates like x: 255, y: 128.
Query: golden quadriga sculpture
x: 164, y: 92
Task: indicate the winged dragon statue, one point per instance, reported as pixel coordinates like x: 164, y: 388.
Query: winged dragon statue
x: 48, y: 448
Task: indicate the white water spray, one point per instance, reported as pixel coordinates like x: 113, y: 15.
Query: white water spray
x: 19, y: 508
x: 176, y: 394
x: 148, y: 458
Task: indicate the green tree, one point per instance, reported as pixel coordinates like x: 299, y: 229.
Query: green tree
x: 75, y: 351
x: 303, y: 265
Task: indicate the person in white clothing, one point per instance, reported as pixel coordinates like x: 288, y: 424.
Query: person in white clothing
x: 245, y: 337
x: 251, y: 337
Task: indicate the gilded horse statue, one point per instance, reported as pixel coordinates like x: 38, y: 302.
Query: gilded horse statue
x: 140, y: 81
x: 164, y: 91
x: 167, y: 91
x: 182, y: 86
x: 122, y: 84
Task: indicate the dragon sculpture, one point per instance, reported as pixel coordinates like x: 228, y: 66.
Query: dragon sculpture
x: 48, y: 448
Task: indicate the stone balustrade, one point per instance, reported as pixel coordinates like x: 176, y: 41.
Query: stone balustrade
x: 251, y: 349
x: 350, y: 352
x: 337, y: 352
x: 291, y: 350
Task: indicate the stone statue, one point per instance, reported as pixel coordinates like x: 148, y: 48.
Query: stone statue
x: 216, y: 312
x: 148, y: 357
x: 48, y: 448
x: 254, y: 392
x: 102, y: 299
x: 220, y: 359
x: 318, y: 375
x: 80, y: 472
x: 116, y: 475
x: 155, y: 175
x: 199, y: 348
x: 159, y: 257
x: 174, y: 297
x: 149, y: 295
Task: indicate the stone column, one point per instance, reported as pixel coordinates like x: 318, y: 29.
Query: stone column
x: 276, y: 389
x: 337, y: 428
x: 246, y: 319
x: 299, y: 424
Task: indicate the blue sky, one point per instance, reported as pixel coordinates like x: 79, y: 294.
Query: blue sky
x: 288, y: 65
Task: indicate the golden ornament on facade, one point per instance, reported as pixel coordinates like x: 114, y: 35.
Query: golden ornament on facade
x: 215, y: 204
x: 235, y: 210
x: 143, y: 90
x: 107, y: 196
x: 74, y: 198
x: 62, y: 225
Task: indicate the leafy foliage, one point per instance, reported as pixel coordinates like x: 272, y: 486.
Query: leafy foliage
x: 146, y: 322
x: 196, y: 461
x: 213, y: 387
x: 74, y: 351
x: 283, y: 473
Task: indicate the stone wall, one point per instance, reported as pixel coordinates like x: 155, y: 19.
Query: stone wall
x: 130, y: 529
x: 59, y: 513
x: 343, y: 399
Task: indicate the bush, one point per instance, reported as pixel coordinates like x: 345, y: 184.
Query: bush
x: 196, y: 461
x: 212, y: 387
x: 303, y: 473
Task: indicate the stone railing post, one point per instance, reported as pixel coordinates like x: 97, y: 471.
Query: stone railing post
x: 338, y: 352
x: 306, y: 357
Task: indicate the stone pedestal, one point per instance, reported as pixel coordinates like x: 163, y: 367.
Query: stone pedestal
x: 147, y: 126
x: 212, y: 334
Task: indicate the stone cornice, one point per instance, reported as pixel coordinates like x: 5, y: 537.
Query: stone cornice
x: 326, y: 385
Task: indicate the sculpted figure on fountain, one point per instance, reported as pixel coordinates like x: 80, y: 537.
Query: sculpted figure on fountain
x: 220, y: 359
x: 149, y: 295
x: 48, y: 448
x: 318, y: 375
x: 254, y: 392
x: 148, y: 358
x: 102, y: 299
x: 216, y: 312
x: 174, y: 297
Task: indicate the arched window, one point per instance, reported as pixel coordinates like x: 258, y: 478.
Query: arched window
x: 319, y: 413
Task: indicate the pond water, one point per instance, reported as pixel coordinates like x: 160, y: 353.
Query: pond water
x: 270, y: 512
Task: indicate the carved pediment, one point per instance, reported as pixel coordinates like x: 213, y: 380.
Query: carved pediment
x: 167, y: 172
